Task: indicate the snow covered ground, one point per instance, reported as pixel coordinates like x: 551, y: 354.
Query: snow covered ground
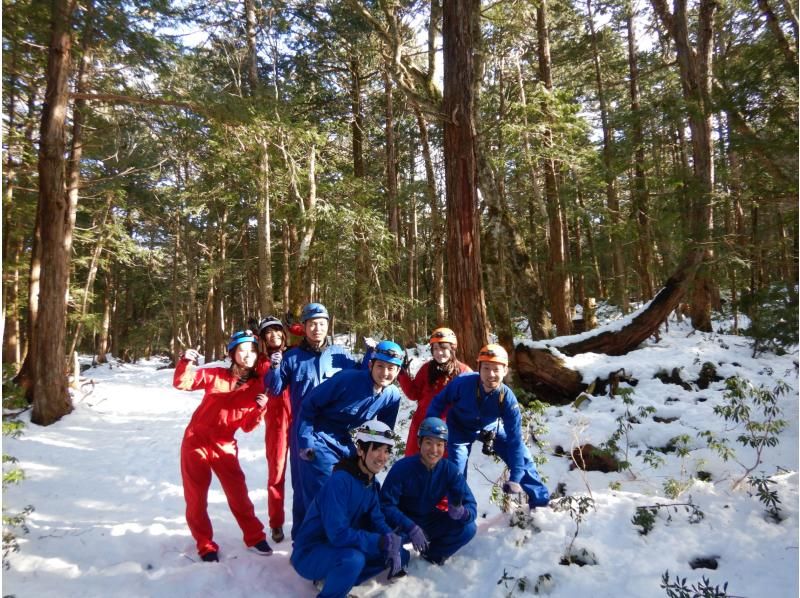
x: 108, y: 519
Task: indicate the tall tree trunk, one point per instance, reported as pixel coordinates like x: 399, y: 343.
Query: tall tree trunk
x: 619, y: 288
x: 303, y: 288
x: 437, y: 247
x: 175, y: 328
x: 639, y: 193
x: 466, y: 304
x: 265, y: 284
x: 102, y: 337
x: 789, y: 54
x: 51, y: 400
x: 11, y: 346
x: 392, y: 199
x: 695, y: 73
x: 558, y: 279
x: 88, y: 289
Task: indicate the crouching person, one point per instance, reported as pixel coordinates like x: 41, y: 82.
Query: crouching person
x: 344, y: 539
x: 413, y: 488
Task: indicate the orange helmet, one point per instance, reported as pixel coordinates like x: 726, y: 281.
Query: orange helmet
x: 493, y: 354
x: 443, y: 335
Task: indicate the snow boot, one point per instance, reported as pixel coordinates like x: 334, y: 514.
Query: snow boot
x: 261, y: 548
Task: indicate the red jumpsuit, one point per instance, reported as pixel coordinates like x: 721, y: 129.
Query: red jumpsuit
x: 420, y: 389
x: 277, y: 419
x: 209, y: 445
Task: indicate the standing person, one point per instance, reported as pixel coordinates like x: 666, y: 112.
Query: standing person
x: 344, y: 539
x: 233, y: 399
x: 415, y: 486
x: 278, y: 418
x: 305, y: 367
x: 342, y: 404
x: 482, y: 407
x: 430, y: 379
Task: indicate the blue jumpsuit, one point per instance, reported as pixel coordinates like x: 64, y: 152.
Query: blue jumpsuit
x: 328, y: 414
x: 473, y: 410
x: 339, y: 539
x: 301, y: 370
x: 410, y: 494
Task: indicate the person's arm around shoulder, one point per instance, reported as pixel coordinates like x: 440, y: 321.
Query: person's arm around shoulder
x: 443, y: 399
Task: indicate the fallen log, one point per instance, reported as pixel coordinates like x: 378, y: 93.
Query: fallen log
x: 544, y: 373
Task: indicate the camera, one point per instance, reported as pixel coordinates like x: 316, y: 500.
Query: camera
x: 487, y: 438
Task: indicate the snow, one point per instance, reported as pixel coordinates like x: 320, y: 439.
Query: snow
x: 108, y: 520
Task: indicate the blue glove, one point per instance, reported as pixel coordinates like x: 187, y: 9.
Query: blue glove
x: 392, y: 544
x: 510, y: 487
x: 457, y: 512
x: 306, y: 454
x: 418, y: 538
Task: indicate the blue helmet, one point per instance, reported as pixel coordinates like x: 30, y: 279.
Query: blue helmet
x: 313, y: 310
x: 243, y: 336
x: 389, y: 352
x: 432, y: 427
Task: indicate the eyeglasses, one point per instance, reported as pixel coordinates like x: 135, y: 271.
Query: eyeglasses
x: 438, y: 334
x: 489, y: 353
x: 389, y: 352
x: 384, y: 433
x: 436, y: 429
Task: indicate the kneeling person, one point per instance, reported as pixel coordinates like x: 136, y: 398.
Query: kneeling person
x: 344, y: 539
x: 414, y: 487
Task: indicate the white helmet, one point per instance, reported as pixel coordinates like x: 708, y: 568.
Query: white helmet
x: 375, y: 431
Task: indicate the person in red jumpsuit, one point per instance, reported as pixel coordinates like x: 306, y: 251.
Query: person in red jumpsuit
x: 233, y: 399
x: 432, y: 377
x: 276, y: 437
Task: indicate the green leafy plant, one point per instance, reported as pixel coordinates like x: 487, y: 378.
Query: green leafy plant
x: 768, y: 497
x: 577, y: 507
x: 625, y: 423
x: 755, y: 412
x: 701, y: 589
x: 773, y: 318
x: 645, y: 516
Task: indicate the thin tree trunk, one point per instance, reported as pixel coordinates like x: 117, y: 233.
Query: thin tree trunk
x: 102, y: 342
x: 51, y: 400
x: 639, y: 193
x: 558, y: 280
x: 787, y: 50
x: 619, y: 288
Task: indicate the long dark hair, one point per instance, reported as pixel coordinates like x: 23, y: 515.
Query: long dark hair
x: 447, y: 370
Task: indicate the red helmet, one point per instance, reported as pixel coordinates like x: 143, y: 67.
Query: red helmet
x: 443, y: 335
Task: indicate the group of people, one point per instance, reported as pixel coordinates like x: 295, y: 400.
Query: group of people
x: 346, y: 527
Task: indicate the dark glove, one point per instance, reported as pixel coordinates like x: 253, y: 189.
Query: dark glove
x: 307, y: 454
x: 406, y: 361
x: 457, y: 512
x: 510, y: 487
x: 275, y: 360
x: 418, y: 538
x: 392, y: 544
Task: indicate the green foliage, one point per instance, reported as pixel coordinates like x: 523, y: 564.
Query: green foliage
x: 768, y: 497
x: 773, y: 312
x: 702, y: 589
x: 625, y: 423
x: 645, y: 516
x: 577, y: 507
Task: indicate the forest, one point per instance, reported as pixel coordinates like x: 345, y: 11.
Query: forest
x: 172, y: 169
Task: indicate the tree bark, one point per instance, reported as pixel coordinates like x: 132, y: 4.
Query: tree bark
x: 466, y: 303
x: 545, y: 374
x: 51, y: 399
x: 639, y: 193
x: 619, y: 287
x: 558, y: 280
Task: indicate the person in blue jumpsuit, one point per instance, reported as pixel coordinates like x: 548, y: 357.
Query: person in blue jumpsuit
x: 482, y: 407
x: 342, y: 404
x: 413, y: 489
x: 303, y: 368
x: 344, y: 539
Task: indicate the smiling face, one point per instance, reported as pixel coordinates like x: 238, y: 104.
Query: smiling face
x: 383, y: 373
x: 244, y: 355
x: 492, y: 375
x: 374, y: 459
x: 442, y: 352
x: 316, y: 331
x: 273, y: 337
x: 431, y: 451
